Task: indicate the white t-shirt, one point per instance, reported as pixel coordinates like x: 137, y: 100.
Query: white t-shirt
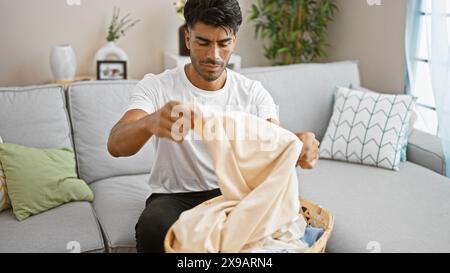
x: 188, y: 167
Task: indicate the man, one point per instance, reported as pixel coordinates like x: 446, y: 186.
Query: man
x: 183, y: 176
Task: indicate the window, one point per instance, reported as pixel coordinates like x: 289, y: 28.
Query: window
x: 426, y: 108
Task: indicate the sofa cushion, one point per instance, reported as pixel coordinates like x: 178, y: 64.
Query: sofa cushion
x: 426, y: 150
x: 406, y: 211
x: 119, y: 202
x: 368, y: 128
x: 34, y: 116
x: 52, y: 231
x: 94, y: 109
x: 410, y: 127
x: 40, y: 179
x: 5, y: 203
x: 304, y: 92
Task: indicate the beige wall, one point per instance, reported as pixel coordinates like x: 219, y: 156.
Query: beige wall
x: 28, y: 29
x: 374, y: 35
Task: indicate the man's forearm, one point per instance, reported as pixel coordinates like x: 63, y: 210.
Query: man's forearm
x: 127, y: 139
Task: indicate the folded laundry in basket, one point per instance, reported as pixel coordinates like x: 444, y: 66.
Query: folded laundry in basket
x: 255, y: 163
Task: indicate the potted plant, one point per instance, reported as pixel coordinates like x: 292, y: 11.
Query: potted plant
x: 295, y: 29
x: 179, y: 7
x: 117, y: 28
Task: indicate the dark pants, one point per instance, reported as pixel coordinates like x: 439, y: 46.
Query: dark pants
x: 161, y: 211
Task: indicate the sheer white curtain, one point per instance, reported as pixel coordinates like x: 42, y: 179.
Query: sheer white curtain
x: 428, y: 64
x: 439, y: 52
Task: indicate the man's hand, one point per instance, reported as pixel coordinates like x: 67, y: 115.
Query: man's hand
x: 172, y: 121
x: 136, y: 127
x: 310, y: 151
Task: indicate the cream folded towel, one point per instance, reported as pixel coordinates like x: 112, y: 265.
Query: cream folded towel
x: 259, y: 208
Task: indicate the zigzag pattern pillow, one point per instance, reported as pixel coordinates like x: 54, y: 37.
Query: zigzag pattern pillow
x: 4, y: 199
x: 367, y: 128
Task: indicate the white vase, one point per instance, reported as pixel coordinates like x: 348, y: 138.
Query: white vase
x: 111, y: 49
x: 63, y: 63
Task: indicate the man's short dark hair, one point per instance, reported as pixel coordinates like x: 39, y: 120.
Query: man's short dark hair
x: 217, y: 13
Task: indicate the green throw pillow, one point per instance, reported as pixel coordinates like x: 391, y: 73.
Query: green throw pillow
x: 41, y: 179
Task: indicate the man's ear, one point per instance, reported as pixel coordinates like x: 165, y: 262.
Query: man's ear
x: 187, y: 38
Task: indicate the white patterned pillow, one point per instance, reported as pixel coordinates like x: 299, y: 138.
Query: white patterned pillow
x: 367, y: 128
x: 4, y: 199
x: 410, y: 128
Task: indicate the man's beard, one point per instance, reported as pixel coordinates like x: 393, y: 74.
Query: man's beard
x: 209, y: 77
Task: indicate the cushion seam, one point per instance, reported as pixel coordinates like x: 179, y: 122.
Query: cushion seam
x: 14, y: 89
x: 97, y: 222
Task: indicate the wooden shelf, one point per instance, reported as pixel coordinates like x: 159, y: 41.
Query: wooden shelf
x: 77, y: 79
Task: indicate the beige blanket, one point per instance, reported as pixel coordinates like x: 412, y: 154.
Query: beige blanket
x: 259, y: 207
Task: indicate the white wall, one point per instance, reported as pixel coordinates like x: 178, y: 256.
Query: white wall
x: 29, y: 28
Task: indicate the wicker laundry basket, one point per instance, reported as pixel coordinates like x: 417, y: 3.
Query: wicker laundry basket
x: 319, y: 217
x: 314, y: 215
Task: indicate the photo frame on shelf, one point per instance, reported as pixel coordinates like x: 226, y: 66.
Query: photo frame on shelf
x: 111, y: 70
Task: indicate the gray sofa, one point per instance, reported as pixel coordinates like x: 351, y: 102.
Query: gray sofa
x: 375, y: 209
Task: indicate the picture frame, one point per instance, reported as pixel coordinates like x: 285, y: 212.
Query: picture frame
x: 111, y: 70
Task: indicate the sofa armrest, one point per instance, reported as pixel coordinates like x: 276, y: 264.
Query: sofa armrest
x: 426, y: 150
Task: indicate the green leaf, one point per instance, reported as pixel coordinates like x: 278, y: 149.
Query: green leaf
x: 282, y: 50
